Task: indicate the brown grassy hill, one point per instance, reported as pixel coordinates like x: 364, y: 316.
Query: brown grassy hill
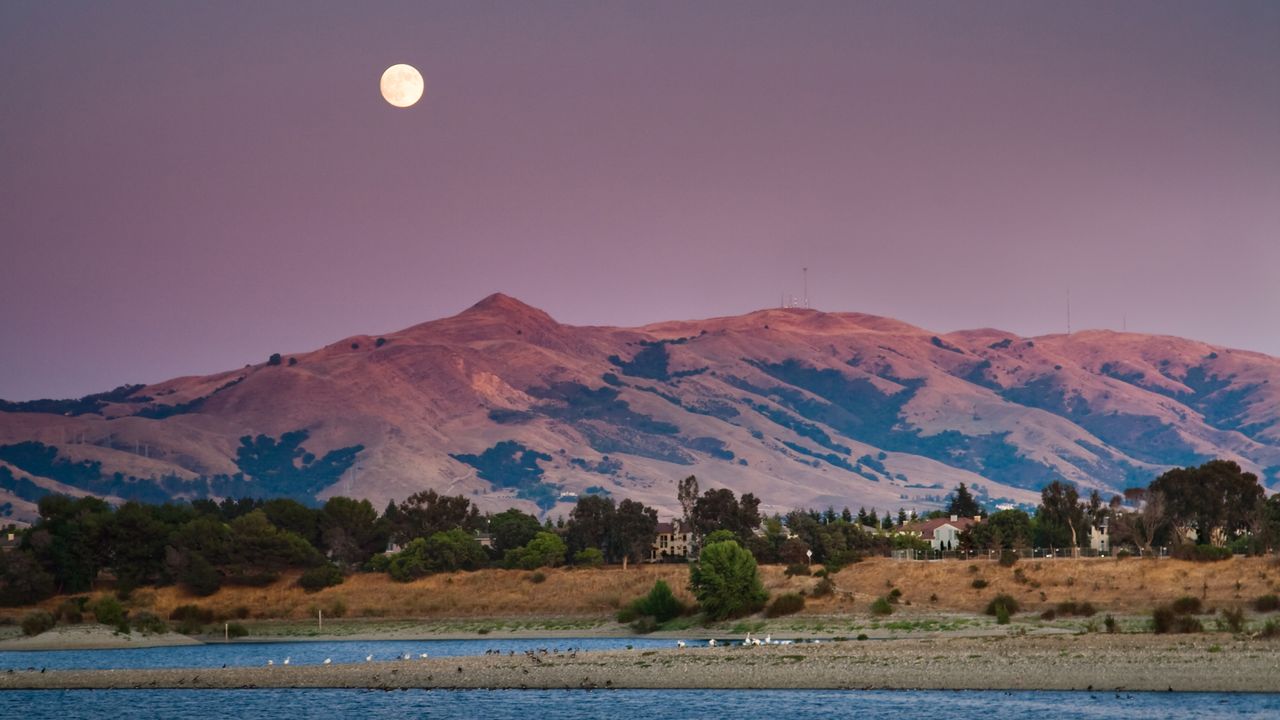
x: 801, y: 407
x: 1128, y: 587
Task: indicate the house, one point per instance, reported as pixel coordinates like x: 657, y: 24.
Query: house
x: 1100, y: 537
x: 943, y: 533
x: 670, y: 541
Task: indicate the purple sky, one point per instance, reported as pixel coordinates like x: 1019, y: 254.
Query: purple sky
x: 187, y: 187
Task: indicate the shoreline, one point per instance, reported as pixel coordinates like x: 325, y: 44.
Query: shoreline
x: 1102, y: 663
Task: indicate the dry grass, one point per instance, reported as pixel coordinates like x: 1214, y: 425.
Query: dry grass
x: 1129, y: 586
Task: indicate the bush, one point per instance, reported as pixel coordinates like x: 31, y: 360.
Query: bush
x: 109, y: 611
x: 537, y: 577
x: 785, y: 604
x: 320, y: 577
x: 644, y: 625
x: 1267, y: 603
x: 589, y: 557
x: 148, y: 623
x: 881, y: 607
x: 1165, y: 619
x: 1232, y: 620
x: 824, y: 588
x: 895, y: 595
x: 236, y: 630
x: 1270, y: 630
x: 1186, y: 605
x: 1111, y: 624
x: 1002, y: 601
x: 191, y: 612
x: 1049, y: 614
x: 1201, y: 553
x: 660, y: 604
x: 979, y: 583
x: 725, y: 581
x: 1002, y: 615
x: 1071, y: 607
x: 1008, y: 558
x: 795, y: 569
x: 37, y: 622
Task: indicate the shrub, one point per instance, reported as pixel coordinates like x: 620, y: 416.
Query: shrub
x: 537, y: 577
x: 1186, y: 605
x: 644, y: 624
x: 1111, y: 624
x: 1232, y: 619
x: 795, y: 569
x: 1008, y: 558
x: 200, y: 577
x: 895, y: 595
x: 320, y: 577
x: 1270, y: 630
x: 1086, y: 609
x: 1201, y: 553
x: 589, y: 557
x: 824, y: 588
x: 660, y: 604
x: 236, y: 630
x: 337, y: 608
x: 1049, y: 614
x: 37, y: 622
x: 881, y: 607
x: 1267, y: 603
x: 1002, y: 615
x: 148, y: 623
x: 979, y: 583
x: 191, y: 612
x: 1002, y: 601
x: 1165, y: 619
x: 109, y: 611
x: 785, y: 604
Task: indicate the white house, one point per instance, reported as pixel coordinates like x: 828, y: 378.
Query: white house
x: 943, y: 533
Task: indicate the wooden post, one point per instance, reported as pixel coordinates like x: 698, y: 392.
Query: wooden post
x: 320, y: 619
x: 226, y: 632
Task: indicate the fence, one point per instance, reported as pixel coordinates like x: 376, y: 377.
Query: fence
x: 1024, y: 553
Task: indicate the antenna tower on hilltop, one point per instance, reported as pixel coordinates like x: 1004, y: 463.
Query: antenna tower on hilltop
x: 791, y: 301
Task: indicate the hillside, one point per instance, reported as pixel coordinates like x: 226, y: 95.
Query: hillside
x: 803, y: 408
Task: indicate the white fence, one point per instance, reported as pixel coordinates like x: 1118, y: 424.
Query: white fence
x: 1024, y: 553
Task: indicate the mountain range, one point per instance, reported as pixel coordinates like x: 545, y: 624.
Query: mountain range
x: 803, y: 408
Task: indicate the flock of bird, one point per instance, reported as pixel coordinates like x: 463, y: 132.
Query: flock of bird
x: 367, y: 658
x: 748, y: 641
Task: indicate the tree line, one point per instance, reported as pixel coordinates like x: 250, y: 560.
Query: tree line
x: 206, y: 544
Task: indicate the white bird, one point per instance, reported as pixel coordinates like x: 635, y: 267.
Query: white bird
x: 271, y: 662
x: 748, y: 640
x: 679, y: 643
x: 768, y: 639
x: 711, y: 642
x: 368, y: 658
x: 328, y: 661
x: 423, y: 656
x: 405, y: 656
x: 286, y: 660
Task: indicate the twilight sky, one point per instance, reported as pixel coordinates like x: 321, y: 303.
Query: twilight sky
x: 186, y: 187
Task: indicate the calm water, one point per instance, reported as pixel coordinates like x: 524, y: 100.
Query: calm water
x: 300, y: 653
x: 647, y: 704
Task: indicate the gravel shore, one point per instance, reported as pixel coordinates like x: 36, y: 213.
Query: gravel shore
x: 1083, y: 662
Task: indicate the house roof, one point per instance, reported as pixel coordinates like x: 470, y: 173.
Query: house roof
x: 664, y: 528
x: 929, y: 527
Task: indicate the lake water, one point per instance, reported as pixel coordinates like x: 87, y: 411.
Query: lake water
x: 647, y: 704
x: 238, y: 654
x: 524, y: 704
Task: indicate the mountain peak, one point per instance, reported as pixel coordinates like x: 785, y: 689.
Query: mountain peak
x: 502, y: 304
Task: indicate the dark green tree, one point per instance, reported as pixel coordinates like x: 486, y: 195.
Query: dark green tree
x: 351, y: 531
x: 1216, y: 496
x: 633, y: 531
x: 962, y: 503
x: 427, y: 513
x: 1061, y: 518
x: 725, y: 581
x: 513, y: 529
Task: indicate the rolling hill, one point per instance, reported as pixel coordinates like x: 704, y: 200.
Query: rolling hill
x: 801, y: 407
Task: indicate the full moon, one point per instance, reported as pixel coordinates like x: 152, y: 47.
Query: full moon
x: 402, y: 85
